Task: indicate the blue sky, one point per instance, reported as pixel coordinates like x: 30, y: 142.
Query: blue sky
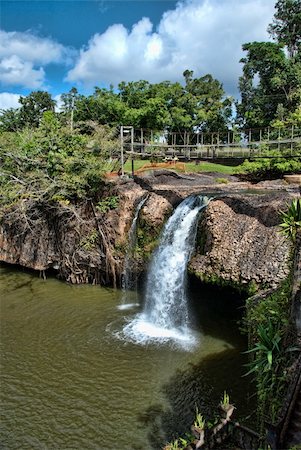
x: 54, y: 45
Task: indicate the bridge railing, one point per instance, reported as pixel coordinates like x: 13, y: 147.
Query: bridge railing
x: 233, y: 143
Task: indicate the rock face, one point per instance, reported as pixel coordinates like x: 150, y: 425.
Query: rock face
x: 238, y: 238
x: 78, y: 241
x: 240, y: 242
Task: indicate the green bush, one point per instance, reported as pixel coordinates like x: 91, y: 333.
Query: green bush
x: 273, y: 164
x: 51, y: 162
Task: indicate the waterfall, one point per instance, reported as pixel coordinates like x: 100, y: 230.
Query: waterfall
x: 129, y: 275
x: 165, y: 313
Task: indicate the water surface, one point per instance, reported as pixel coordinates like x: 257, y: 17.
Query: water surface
x: 68, y: 383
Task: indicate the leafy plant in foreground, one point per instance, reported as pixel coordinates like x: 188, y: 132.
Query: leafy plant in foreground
x: 199, y: 421
x: 291, y: 219
x: 266, y: 348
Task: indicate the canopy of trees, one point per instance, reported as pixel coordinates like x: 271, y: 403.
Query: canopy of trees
x: 271, y: 83
x: 270, y: 92
x: 200, y: 104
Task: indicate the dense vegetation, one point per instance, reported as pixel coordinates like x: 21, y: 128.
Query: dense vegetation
x: 51, y: 163
x: 55, y: 143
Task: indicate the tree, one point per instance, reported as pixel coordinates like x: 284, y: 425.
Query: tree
x: 33, y: 107
x: 271, y: 81
x: 69, y: 104
x: 265, y: 61
x: 286, y: 26
x: 10, y: 119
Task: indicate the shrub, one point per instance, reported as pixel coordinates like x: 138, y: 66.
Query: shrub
x: 291, y: 219
x: 274, y: 165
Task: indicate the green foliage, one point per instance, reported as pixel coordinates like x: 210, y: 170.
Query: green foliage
x: 174, y: 445
x: 199, y: 420
x: 267, y: 356
x: 89, y: 242
x: 34, y: 106
x: 50, y: 162
x: 286, y: 25
x: 222, y: 180
x: 275, y: 165
x: 108, y: 203
x: 276, y: 93
x: 250, y: 289
x: 10, y: 120
x: 267, y: 348
x: 200, y: 103
x: 291, y: 219
x: 266, y: 322
x: 225, y: 400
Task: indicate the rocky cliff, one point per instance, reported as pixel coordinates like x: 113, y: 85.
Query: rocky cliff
x: 238, y: 238
x: 239, y: 242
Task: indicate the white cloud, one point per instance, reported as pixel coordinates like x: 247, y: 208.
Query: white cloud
x: 29, y: 47
x: 205, y: 36
x: 23, y: 55
x: 8, y: 100
x: 15, y: 71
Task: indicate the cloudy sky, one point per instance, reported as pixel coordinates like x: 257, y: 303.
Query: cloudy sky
x: 56, y: 44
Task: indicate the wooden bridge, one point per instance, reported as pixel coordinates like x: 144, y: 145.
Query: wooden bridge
x: 237, y: 144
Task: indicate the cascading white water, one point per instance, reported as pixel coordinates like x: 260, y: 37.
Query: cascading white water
x: 129, y: 275
x: 165, y: 313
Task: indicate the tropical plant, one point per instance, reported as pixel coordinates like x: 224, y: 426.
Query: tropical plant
x: 291, y: 219
x: 265, y: 349
x: 225, y: 400
x: 174, y: 445
x: 199, y: 421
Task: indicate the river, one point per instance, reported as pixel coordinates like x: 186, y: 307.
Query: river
x: 67, y: 381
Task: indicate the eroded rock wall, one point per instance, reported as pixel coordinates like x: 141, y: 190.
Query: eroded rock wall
x: 81, y: 243
x: 240, y: 242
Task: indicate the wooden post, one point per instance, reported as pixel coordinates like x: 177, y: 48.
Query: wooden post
x: 132, y: 139
x: 228, y: 141
x: 121, y: 156
x: 250, y: 140
x: 141, y: 139
x: 133, y: 168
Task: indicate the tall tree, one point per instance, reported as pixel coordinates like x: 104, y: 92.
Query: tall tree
x: 271, y: 82
x: 33, y: 107
x: 286, y: 25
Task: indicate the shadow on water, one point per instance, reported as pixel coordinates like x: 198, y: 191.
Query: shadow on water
x: 198, y: 388
x: 216, y: 312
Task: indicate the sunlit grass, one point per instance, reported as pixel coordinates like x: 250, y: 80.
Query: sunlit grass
x: 203, y: 166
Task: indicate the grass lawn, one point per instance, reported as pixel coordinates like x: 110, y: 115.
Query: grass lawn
x: 190, y: 167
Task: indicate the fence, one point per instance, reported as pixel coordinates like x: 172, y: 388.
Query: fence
x: 222, y: 144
